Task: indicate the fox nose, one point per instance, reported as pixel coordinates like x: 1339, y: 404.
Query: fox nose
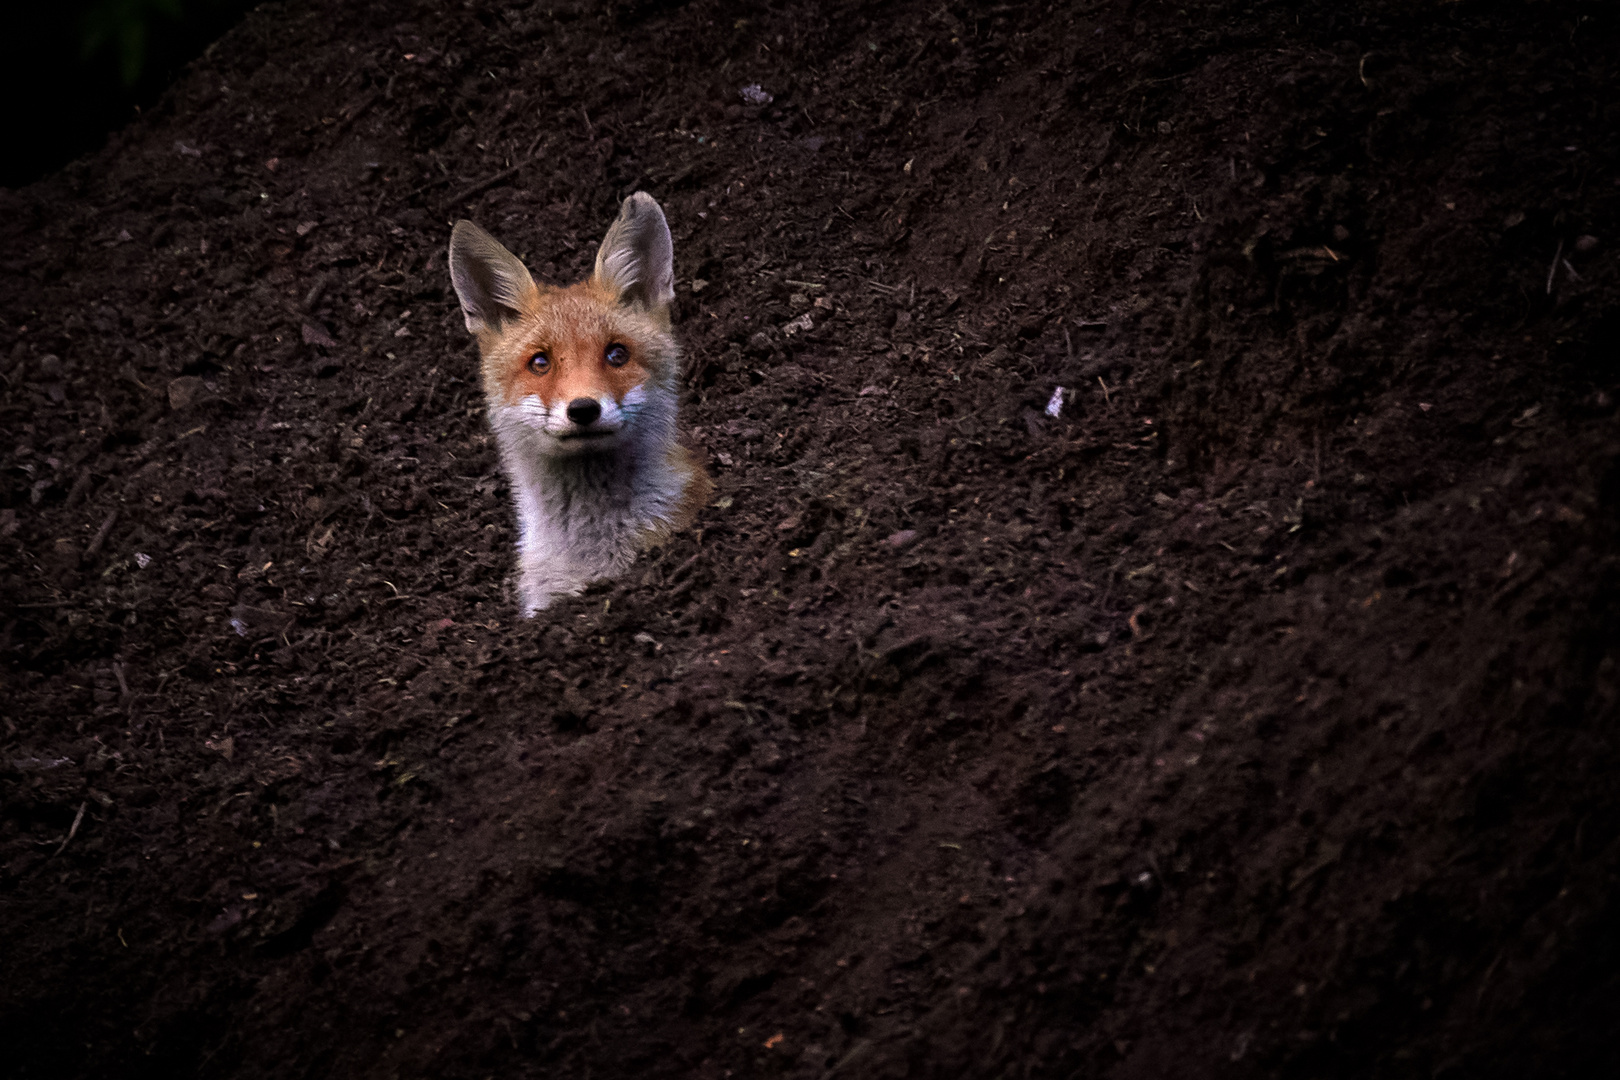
x: 584, y: 411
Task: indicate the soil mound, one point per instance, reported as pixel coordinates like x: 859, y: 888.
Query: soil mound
x: 1158, y: 617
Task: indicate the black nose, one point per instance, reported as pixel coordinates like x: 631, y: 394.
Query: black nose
x: 584, y: 411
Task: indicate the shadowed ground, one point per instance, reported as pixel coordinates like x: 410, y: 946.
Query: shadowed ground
x: 1255, y: 715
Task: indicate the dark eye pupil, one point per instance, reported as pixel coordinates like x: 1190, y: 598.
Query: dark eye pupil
x: 617, y: 355
x: 539, y: 362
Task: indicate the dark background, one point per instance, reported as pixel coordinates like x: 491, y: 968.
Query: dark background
x: 71, y: 71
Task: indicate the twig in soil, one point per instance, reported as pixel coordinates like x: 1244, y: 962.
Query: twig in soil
x: 94, y: 547
x: 1104, y: 385
x: 1552, y: 271
x: 590, y: 132
x: 359, y: 111
x: 1485, y: 980
x: 429, y: 186
x: 446, y: 178
x: 73, y: 830
x: 505, y: 174
x: 316, y: 291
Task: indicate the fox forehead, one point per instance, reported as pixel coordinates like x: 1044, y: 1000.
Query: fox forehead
x: 556, y: 317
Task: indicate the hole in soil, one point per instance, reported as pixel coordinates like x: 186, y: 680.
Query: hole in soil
x: 122, y: 437
x: 201, y: 366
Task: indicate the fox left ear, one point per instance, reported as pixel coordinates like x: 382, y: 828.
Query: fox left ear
x: 490, y: 281
x: 637, y: 258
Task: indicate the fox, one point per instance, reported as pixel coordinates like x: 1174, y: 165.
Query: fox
x: 581, y: 386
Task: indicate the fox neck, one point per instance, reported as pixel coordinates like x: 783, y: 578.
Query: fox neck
x: 584, y: 485
x: 589, y: 511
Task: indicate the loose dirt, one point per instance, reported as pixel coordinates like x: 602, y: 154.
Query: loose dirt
x: 1158, y: 617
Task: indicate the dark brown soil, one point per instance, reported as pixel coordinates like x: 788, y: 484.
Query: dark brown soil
x: 1255, y: 717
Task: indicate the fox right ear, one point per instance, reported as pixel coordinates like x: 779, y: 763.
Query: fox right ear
x: 490, y: 281
x: 636, y: 260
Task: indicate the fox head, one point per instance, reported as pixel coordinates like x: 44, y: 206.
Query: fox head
x: 589, y: 368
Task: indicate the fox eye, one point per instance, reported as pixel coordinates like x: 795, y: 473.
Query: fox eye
x: 539, y: 363
x: 617, y: 355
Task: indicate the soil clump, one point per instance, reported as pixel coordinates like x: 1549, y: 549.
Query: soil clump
x: 1158, y: 615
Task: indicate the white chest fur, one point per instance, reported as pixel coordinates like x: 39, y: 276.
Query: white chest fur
x: 582, y: 517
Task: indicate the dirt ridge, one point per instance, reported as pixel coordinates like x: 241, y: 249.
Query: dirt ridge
x: 1252, y: 715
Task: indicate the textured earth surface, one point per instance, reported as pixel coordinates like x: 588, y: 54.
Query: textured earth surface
x: 1158, y: 617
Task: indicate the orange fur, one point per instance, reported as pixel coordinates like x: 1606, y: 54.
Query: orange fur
x: 573, y: 326
x: 699, y: 490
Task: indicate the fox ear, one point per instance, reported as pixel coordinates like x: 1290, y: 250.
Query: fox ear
x: 491, y: 282
x: 637, y: 259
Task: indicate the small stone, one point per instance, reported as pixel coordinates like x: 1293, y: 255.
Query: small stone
x: 1585, y: 243
x: 184, y: 391
x: 755, y: 94
x: 903, y: 538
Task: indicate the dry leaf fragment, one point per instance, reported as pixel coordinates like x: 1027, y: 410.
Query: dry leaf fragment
x: 316, y: 334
